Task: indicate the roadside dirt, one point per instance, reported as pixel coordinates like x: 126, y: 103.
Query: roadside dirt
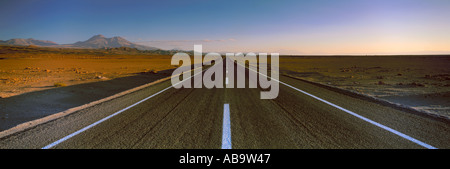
x: 419, y: 82
x: 37, y: 82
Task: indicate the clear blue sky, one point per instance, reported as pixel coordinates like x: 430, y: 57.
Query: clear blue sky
x: 288, y: 27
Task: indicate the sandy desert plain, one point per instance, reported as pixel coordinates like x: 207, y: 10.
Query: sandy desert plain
x: 36, y: 82
x: 25, y: 69
x: 416, y: 81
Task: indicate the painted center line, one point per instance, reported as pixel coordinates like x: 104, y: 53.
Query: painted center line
x: 226, y: 131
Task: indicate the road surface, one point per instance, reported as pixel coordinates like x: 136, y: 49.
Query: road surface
x: 202, y: 118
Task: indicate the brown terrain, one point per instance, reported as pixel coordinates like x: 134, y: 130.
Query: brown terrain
x: 419, y: 82
x: 37, y: 81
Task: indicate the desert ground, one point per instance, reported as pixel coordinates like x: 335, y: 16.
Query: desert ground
x: 419, y: 82
x: 36, y: 82
x: 23, y: 71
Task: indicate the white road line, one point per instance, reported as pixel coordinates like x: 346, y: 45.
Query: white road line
x: 112, y: 115
x: 226, y: 131
x: 357, y: 115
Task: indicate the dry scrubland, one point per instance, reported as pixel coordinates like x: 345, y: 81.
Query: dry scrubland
x: 36, y: 82
x: 26, y: 69
x: 420, y: 82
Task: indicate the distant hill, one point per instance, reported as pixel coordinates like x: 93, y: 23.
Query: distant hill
x: 100, y: 41
x: 33, y: 49
x: 97, y: 41
x: 27, y: 42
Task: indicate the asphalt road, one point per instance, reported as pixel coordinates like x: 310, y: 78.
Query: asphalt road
x: 194, y: 118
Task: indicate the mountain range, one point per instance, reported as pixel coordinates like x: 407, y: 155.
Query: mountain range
x: 97, y: 41
x: 26, y: 42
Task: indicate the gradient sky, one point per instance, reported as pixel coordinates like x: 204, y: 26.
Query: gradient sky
x: 285, y: 26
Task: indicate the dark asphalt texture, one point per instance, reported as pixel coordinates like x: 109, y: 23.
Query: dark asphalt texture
x: 192, y: 118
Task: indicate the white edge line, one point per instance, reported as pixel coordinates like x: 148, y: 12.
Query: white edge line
x: 226, y: 130
x: 112, y: 115
x: 356, y: 115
